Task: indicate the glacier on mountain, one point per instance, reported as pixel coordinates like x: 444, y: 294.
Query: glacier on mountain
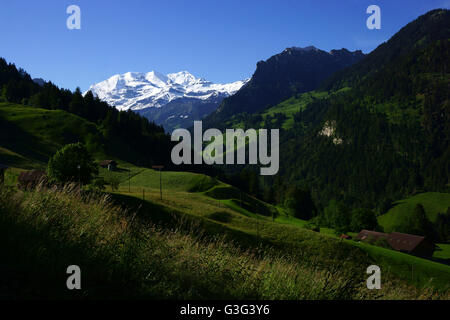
x: 137, y: 91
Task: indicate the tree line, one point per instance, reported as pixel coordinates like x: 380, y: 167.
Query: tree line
x: 125, y: 134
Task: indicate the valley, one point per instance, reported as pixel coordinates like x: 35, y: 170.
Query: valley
x: 210, y: 209
x: 363, y: 145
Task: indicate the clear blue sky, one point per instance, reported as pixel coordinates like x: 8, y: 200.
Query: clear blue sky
x: 217, y: 40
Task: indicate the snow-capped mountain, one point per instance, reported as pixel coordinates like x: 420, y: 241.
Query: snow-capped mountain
x: 172, y: 100
x: 136, y: 91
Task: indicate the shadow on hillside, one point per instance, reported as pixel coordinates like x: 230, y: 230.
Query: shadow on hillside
x: 15, y: 139
x: 240, y: 198
x: 441, y: 260
x: 161, y: 216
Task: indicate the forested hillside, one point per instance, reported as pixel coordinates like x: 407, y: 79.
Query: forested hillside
x: 295, y: 70
x: 376, y: 132
x: 125, y: 135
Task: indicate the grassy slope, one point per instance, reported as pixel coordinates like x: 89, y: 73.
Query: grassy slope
x: 29, y: 136
x: 121, y: 256
x: 433, y: 202
x: 226, y: 218
x: 408, y: 267
x: 288, y: 107
x: 442, y: 251
x: 221, y: 205
x: 174, y: 181
x: 294, y: 105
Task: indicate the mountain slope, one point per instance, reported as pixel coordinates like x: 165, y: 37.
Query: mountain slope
x: 181, y: 112
x: 376, y: 132
x: 145, y: 92
x: 420, y: 33
x: 29, y: 136
x: 387, y: 136
x: 295, y: 70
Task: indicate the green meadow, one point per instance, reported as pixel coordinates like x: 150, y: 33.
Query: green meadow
x: 433, y: 203
x: 287, y: 108
x: 203, y: 240
x: 225, y: 205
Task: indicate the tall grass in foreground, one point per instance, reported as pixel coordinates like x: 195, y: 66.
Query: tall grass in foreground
x: 43, y: 232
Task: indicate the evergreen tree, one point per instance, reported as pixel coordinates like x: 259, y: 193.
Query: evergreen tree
x: 442, y: 226
x: 417, y: 223
x: 300, y: 202
x: 362, y: 218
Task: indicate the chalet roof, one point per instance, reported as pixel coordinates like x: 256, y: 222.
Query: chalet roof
x: 367, y: 234
x: 32, y: 175
x: 404, y: 242
x: 105, y: 163
x: 398, y: 241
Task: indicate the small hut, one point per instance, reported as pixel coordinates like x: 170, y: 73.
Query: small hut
x: 111, y: 165
x: 373, y: 236
x: 30, y: 179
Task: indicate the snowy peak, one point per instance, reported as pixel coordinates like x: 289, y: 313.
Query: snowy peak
x: 183, y: 78
x: 136, y: 91
x: 155, y: 78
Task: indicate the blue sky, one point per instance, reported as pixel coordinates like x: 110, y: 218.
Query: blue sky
x: 218, y: 40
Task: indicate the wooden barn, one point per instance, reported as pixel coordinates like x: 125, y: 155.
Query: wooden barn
x: 412, y: 244
x: 367, y: 235
x: 403, y: 242
x: 30, y: 179
x: 111, y: 165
